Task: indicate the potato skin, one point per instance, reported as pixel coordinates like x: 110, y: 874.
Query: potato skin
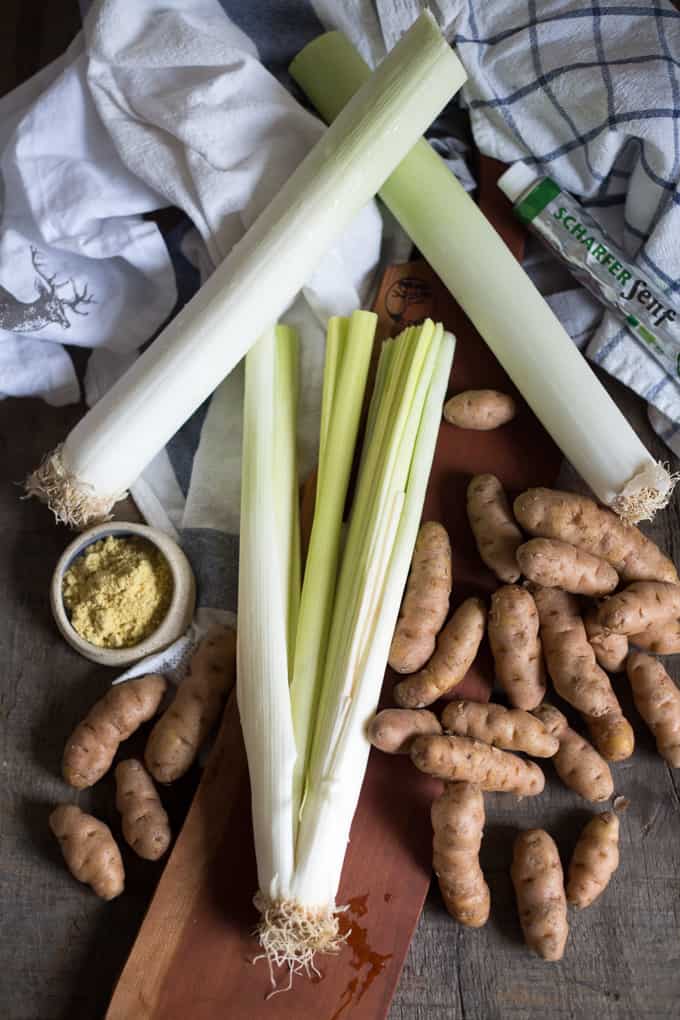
x: 516, y: 646
x: 576, y: 675
x: 594, y: 861
x: 657, y: 699
x: 426, y: 601
x: 456, y: 649
x: 577, y: 763
x: 145, y: 824
x: 571, y: 663
x: 511, y: 729
x: 462, y: 759
x: 493, y: 526
x: 612, y: 734
x: 539, y: 887
x: 661, y: 638
x: 553, y: 720
x: 394, y: 729
x: 480, y: 410
x: 551, y: 513
x: 92, y: 746
x: 90, y: 851
x: 176, y: 738
x: 639, y: 606
x: 610, y: 650
x: 457, y: 826
x: 556, y: 564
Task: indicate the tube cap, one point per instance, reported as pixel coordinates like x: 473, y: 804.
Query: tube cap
x: 515, y: 181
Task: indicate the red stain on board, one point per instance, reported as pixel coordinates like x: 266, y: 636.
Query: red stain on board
x: 357, y: 905
x: 356, y: 937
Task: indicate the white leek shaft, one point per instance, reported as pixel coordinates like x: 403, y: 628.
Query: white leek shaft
x: 113, y: 443
x: 519, y: 326
x: 502, y: 302
x: 262, y: 676
x: 300, y: 862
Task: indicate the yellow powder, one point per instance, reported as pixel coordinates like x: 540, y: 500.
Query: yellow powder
x: 118, y: 591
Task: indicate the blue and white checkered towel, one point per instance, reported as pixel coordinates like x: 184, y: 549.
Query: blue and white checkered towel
x: 589, y: 93
x: 168, y: 104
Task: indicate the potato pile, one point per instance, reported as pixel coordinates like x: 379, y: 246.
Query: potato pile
x: 89, y: 848
x: 581, y: 593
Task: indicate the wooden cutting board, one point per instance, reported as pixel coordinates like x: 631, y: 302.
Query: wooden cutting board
x: 193, y: 957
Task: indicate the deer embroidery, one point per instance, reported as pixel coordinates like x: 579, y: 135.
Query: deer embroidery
x: 29, y: 316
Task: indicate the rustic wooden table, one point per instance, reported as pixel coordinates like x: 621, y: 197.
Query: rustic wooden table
x: 61, y: 949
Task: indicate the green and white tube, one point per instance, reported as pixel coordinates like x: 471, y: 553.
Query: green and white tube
x: 596, y: 261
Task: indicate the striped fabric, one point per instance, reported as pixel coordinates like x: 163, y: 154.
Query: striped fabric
x: 590, y: 94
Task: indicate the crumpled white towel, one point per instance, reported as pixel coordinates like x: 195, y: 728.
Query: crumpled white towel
x: 194, y: 114
x: 78, y: 263
x: 156, y: 104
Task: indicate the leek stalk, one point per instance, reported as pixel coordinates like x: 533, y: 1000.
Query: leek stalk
x: 383, y: 528
x: 348, y: 356
x: 286, y: 384
x: 502, y: 302
x: 109, y: 448
x: 303, y: 803
x: 266, y: 552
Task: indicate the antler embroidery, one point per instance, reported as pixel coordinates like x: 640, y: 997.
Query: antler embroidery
x: 84, y: 297
x: 48, y: 307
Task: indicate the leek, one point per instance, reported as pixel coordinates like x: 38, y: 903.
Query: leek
x: 285, y: 473
x: 383, y: 528
x: 499, y: 298
x: 265, y: 554
x: 109, y: 448
x: 348, y: 355
x: 307, y: 746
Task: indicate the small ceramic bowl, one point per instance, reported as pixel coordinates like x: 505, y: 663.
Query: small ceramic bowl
x: 175, y: 622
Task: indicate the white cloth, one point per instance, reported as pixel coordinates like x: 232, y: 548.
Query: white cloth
x: 71, y: 228
x: 194, y: 114
x: 156, y: 104
x: 167, y: 103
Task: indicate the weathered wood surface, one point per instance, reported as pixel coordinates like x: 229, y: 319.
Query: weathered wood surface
x: 61, y: 949
x: 202, y: 916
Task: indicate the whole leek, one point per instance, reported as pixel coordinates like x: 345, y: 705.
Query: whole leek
x: 109, y: 448
x: 306, y: 778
